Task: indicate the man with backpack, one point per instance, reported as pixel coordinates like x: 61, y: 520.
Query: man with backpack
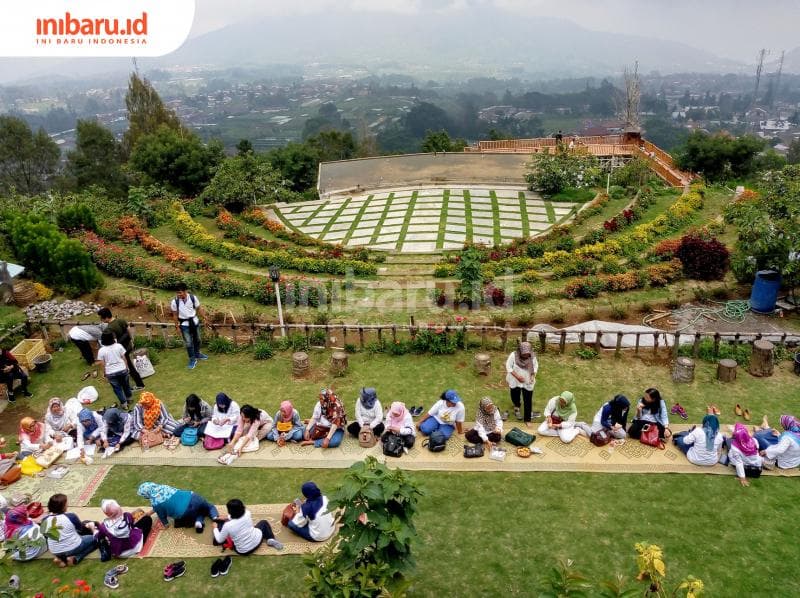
x: 120, y: 329
x: 185, y: 309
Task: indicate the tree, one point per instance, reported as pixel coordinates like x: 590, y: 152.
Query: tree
x: 298, y: 163
x: 719, y: 157
x: 28, y: 161
x: 439, y: 141
x: 468, y: 271
x: 768, y: 224
x: 424, y: 117
x: 372, y: 552
x: 96, y: 160
x: 328, y: 118
x: 244, y: 147
x: 147, y: 113
x: 243, y: 181
x: 664, y: 134
x: 793, y: 154
x: 551, y: 173
x: 180, y: 162
x: 332, y: 145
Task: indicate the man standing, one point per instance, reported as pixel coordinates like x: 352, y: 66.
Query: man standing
x: 185, y: 308
x: 10, y: 370
x: 83, y: 336
x: 120, y: 329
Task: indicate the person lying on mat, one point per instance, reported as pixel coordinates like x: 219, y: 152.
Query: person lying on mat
x: 399, y: 422
x: 196, y: 414
x: 559, y: 418
x: 446, y: 415
x: 783, y: 450
x: 743, y: 450
x: 611, y: 417
x: 74, y: 540
x: 288, y: 425
x: 151, y: 414
x: 312, y: 520
x: 651, y: 409
x: 125, y: 536
x: 239, y: 527
x: 368, y: 413
x: 186, y: 508
x: 488, y: 424
x: 326, y: 427
x: 253, y: 425
x: 701, y: 445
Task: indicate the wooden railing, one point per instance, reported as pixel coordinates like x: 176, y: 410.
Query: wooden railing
x: 249, y: 332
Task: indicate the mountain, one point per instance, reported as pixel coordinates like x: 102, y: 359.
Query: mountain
x: 478, y: 40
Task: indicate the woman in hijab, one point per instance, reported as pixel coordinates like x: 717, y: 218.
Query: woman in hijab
x: 368, y: 413
x: 783, y: 450
x: 312, y: 520
x: 19, y: 526
x: 119, y: 426
x: 326, y: 427
x: 125, y: 536
x: 651, y: 409
x: 151, y: 414
x: 521, y: 369
x: 186, y: 508
x: 223, y: 418
x: 61, y: 424
x: 400, y: 422
x: 611, y: 417
x: 288, y: 425
x: 743, y: 450
x: 488, y: 424
x: 31, y: 436
x: 559, y: 418
x: 91, y: 430
x: 196, y: 414
x: 701, y: 445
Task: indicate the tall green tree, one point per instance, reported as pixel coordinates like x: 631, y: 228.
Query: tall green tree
x: 333, y: 145
x: 147, y: 112
x: 244, y: 181
x: 439, y: 141
x: 793, y: 154
x: 720, y: 156
x: 181, y: 163
x: 298, y: 164
x: 28, y: 160
x: 96, y: 160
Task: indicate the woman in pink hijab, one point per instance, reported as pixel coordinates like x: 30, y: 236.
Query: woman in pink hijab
x: 288, y: 425
x: 399, y: 425
x: 743, y: 452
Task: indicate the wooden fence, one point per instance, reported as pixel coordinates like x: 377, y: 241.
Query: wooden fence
x: 663, y: 342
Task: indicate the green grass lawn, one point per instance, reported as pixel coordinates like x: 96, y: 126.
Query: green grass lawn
x: 493, y: 532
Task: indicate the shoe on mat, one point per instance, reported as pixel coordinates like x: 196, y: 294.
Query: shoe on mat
x: 112, y: 582
x: 225, y: 565
x: 14, y: 582
x: 275, y: 544
x: 738, y: 410
x: 504, y: 416
x: 517, y: 413
x: 215, y: 568
x: 174, y: 570
x: 199, y: 527
x: 94, y: 373
x: 201, y: 356
x: 192, y: 364
x: 678, y: 408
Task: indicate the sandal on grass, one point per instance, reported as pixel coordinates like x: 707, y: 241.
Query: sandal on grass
x: 85, y: 376
x: 111, y: 581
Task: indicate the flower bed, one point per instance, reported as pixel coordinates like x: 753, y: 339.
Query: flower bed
x: 195, y: 235
x: 656, y: 275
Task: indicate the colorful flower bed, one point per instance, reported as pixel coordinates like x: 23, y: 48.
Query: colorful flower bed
x: 195, y: 235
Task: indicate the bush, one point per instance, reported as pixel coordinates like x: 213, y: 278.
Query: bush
x: 221, y: 345
x: 662, y: 274
x: 263, y: 350
x: 587, y: 288
x: 524, y: 294
x: 703, y: 259
x: 76, y: 217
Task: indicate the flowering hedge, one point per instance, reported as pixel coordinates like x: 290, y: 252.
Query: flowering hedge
x: 655, y: 275
x: 196, y: 235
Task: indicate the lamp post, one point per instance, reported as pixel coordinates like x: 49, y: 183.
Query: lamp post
x: 275, y: 277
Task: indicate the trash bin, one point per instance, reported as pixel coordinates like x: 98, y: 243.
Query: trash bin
x: 765, y: 291
x: 42, y: 362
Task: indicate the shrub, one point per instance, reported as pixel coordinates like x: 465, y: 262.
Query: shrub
x: 703, y: 259
x: 586, y: 353
x: 662, y: 274
x: 530, y: 276
x: 524, y: 294
x: 263, y: 350
x: 76, y: 217
x: 526, y: 318
x: 220, y: 345
x: 398, y: 347
x: 444, y: 270
x: 628, y: 281
x: 610, y: 265
x: 666, y: 249
x: 587, y: 288
x: 298, y: 342
x: 43, y: 293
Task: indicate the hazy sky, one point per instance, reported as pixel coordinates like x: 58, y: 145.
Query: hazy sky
x: 730, y: 28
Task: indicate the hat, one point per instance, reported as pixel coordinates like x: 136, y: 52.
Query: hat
x: 452, y: 396
x: 567, y: 396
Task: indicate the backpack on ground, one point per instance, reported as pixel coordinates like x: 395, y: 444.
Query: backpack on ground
x: 517, y: 437
x: 392, y: 445
x: 436, y: 442
x: 189, y: 436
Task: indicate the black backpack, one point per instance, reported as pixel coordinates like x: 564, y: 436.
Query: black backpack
x: 392, y: 445
x: 436, y: 442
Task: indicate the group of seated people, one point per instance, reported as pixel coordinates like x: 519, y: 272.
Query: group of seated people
x: 123, y: 534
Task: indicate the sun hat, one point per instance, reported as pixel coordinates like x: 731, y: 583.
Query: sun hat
x: 452, y: 396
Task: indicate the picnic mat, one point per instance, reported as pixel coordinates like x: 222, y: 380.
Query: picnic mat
x: 579, y: 455
x: 184, y: 542
x: 79, y: 484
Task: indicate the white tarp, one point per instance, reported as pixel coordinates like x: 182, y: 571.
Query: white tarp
x: 608, y: 334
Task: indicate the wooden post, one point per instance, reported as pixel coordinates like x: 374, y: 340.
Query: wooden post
x: 618, y: 346
x: 636, y: 348
x: 716, y: 344
x: 582, y: 338
x: 726, y: 370
x: 327, y: 336
x: 762, y: 362
x: 736, y: 341
x: 394, y: 333
x: 361, y: 336
x: 504, y: 338
x: 683, y: 370
x: 344, y: 335
x: 483, y: 337
x: 562, y: 342
x: 597, y: 346
x: 308, y: 336
x: 542, y: 342
x: 64, y: 335
x: 655, y: 342
x: 676, y: 344
x: 380, y: 336
x: 164, y: 334
x: 696, y: 346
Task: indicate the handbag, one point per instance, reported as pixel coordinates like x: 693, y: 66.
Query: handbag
x: 392, y: 445
x: 366, y: 437
x: 287, y: 514
x: 213, y: 444
x: 473, y: 451
x: 319, y: 432
x: 752, y: 471
x: 35, y: 509
x: 12, y: 474
x: 189, y: 436
x: 436, y: 442
x: 150, y: 438
x: 600, y: 438
x: 144, y: 366
x: 650, y: 437
x: 517, y: 437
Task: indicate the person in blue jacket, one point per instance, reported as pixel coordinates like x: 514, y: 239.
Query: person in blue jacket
x: 186, y: 508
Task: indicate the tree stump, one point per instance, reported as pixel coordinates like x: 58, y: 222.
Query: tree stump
x: 762, y: 362
x: 300, y: 364
x: 726, y: 370
x: 338, y: 362
x: 483, y: 364
x: 683, y: 370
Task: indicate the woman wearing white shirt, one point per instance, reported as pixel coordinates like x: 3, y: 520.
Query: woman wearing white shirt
x: 701, y: 445
x: 312, y: 520
x: 743, y: 451
x: 400, y: 422
x: 488, y: 424
x: 446, y: 416
x: 783, y: 450
x: 559, y: 418
x: 368, y: 413
x: 521, y: 369
x: 245, y: 536
x: 223, y: 418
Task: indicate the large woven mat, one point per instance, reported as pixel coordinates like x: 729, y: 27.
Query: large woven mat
x: 580, y: 455
x: 79, y: 484
x: 186, y: 543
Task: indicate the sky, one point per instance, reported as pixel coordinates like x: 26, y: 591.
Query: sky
x: 734, y: 29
